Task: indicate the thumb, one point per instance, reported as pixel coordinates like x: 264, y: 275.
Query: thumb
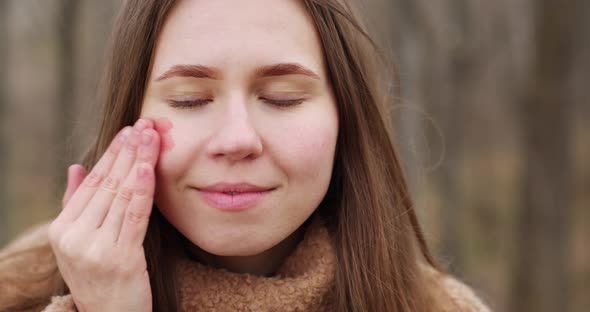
x: 76, y: 174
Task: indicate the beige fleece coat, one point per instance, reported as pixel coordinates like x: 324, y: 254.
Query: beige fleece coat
x: 301, y: 284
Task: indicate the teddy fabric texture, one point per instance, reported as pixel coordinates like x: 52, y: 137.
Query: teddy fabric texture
x: 302, y: 283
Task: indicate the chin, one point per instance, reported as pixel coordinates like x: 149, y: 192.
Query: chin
x: 232, y: 243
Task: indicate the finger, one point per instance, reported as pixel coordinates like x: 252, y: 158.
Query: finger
x: 92, y: 181
x: 97, y: 208
x: 147, y: 153
x: 149, y: 149
x: 99, y: 205
x: 137, y: 216
x: 76, y: 174
x: 143, y: 123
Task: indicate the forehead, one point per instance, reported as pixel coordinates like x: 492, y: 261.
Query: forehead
x: 238, y: 34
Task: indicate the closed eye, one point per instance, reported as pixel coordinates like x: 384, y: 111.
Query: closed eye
x: 184, y: 104
x: 283, y: 103
x: 188, y: 103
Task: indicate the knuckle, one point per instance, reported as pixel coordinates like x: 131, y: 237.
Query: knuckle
x: 134, y: 216
x: 95, y: 261
x: 68, y: 247
x: 94, y: 179
x: 144, y: 155
x: 54, y: 231
x: 131, y: 147
x: 114, y: 149
x: 111, y: 184
x: 125, y: 194
x: 141, y: 191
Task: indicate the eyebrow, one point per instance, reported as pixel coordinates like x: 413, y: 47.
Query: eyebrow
x: 282, y: 69
x: 196, y: 71
x: 200, y: 71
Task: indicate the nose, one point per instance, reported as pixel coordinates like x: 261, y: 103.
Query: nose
x: 236, y: 138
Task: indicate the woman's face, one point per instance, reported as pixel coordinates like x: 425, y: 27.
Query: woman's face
x: 240, y: 95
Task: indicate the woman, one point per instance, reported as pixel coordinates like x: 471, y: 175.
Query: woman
x: 278, y: 187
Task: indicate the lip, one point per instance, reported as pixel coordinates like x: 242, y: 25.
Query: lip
x: 234, y: 196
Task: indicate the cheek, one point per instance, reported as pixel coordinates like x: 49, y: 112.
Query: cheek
x: 169, y: 170
x: 182, y: 149
x: 174, y: 158
x: 310, y: 153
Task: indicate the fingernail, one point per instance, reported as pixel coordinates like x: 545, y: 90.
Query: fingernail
x: 146, y: 138
x: 124, y: 135
x: 141, y: 124
x: 142, y: 172
x: 134, y: 137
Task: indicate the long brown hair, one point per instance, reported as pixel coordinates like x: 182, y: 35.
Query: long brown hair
x: 367, y: 208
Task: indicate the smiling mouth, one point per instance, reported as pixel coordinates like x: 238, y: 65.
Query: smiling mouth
x: 231, y: 193
x: 233, y: 201
x: 231, y: 188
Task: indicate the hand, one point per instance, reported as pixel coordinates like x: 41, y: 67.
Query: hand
x: 98, y: 236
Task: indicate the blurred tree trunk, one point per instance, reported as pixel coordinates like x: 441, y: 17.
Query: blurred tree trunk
x: 398, y: 22
x: 452, y: 114
x: 541, y: 279
x: 448, y: 77
x: 3, y: 139
x: 432, y: 68
x: 66, y: 26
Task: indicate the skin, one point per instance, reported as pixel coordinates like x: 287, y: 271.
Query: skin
x: 98, y: 237
x: 239, y: 134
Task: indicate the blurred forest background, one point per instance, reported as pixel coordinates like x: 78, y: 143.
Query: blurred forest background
x: 493, y: 125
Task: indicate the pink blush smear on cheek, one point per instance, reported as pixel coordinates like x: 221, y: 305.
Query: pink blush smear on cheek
x: 163, y: 126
